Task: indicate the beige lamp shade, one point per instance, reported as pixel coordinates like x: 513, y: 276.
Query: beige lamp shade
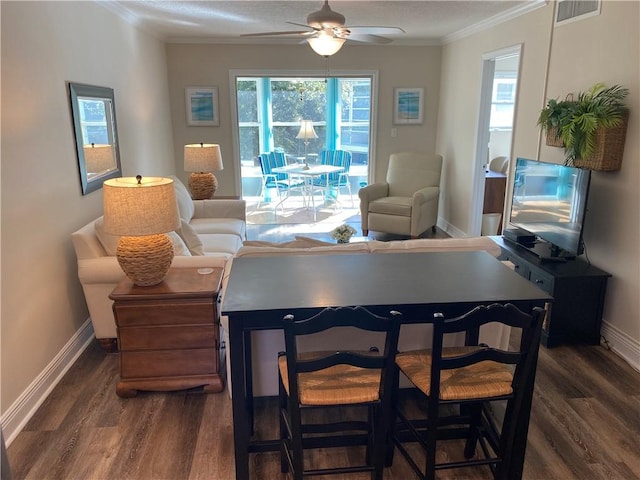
x: 325, y: 43
x: 306, y: 130
x: 138, y: 208
x: 141, y: 210
x: 98, y: 158
x: 201, y: 159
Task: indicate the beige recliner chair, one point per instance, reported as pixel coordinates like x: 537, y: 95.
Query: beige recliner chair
x: 407, y: 203
x: 499, y: 164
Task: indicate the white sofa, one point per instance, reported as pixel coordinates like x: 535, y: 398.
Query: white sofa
x: 267, y: 343
x: 212, y: 232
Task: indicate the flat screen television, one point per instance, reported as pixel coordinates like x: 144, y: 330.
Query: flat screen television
x: 550, y: 201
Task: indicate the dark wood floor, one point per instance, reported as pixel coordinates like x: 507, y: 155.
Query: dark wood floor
x: 585, y: 424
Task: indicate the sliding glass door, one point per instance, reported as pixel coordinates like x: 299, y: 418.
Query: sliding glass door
x: 270, y: 112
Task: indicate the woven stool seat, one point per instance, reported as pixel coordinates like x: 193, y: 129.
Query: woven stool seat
x: 479, y: 380
x: 337, y: 385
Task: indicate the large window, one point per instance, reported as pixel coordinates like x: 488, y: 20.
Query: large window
x: 270, y: 111
x: 270, y: 114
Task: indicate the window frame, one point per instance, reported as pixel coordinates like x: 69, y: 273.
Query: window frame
x: 241, y: 73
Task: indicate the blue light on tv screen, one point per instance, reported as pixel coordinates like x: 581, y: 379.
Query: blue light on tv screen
x: 549, y: 200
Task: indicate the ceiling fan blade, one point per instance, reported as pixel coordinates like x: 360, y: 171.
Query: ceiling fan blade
x: 274, y: 34
x: 365, y: 38
x: 301, y: 25
x: 326, y: 21
x: 372, y: 30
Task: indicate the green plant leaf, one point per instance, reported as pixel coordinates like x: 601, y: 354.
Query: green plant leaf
x: 578, y: 120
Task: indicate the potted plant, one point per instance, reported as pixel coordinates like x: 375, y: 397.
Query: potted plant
x: 592, y: 126
x: 551, y: 117
x: 343, y: 233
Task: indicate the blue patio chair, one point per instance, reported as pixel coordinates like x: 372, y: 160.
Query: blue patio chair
x: 340, y: 158
x: 282, y: 182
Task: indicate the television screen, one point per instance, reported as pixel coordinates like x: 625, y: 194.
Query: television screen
x: 550, y: 201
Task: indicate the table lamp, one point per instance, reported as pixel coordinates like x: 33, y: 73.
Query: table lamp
x: 142, y: 210
x: 98, y: 158
x: 306, y: 132
x: 201, y: 159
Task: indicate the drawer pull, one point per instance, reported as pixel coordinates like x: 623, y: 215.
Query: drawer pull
x: 539, y: 282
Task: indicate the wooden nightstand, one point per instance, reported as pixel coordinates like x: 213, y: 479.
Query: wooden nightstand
x: 169, y: 334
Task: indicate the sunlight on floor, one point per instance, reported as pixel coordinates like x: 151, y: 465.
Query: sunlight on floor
x: 265, y: 221
x: 293, y: 218
x: 293, y: 210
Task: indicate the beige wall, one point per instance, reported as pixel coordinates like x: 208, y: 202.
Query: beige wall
x: 603, y: 48
x: 44, y: 45
x: 606, y: 48
x: 460, y: 93
x: 203, y: 65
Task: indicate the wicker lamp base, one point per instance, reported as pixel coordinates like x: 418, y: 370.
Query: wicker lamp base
x: 145, y: 260
x: 202, y: 185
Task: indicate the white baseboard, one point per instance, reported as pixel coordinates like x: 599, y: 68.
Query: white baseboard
x: 450, y: 229
x: 621, y: 344
x: 21, y: 411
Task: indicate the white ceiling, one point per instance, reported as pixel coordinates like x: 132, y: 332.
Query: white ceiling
x: 425, y: 22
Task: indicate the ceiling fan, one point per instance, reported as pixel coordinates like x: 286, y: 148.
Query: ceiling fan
x: 326, y: 31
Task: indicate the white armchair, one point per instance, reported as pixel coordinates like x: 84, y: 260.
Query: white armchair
x: 407, y: 203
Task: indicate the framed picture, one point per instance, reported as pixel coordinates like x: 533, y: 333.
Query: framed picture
x: 202, y: 106
x: 408, y: 105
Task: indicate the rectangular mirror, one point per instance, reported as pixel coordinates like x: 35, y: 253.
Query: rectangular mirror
x: 94, y: 121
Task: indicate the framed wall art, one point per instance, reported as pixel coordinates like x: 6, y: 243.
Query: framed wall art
x: 202, y: 106
x: 408, y: 106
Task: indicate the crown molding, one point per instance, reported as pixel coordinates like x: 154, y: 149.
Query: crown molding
x: 495, y: 20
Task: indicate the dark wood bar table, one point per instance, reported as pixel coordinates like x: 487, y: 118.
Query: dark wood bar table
x: 262, y: 290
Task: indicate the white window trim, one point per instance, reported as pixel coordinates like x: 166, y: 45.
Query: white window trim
x: 234, y: 74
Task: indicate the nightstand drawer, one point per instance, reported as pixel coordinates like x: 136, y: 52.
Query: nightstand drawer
x: 168, y: 363
x: 167, y: 337
x: 165, y: 313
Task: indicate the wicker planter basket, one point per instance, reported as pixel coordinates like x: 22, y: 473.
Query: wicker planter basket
x: 609, y: 149
x: 553, y: 139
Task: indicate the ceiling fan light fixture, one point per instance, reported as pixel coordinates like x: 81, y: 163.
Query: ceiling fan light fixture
x: 325, y: 17
x: 325, y: 44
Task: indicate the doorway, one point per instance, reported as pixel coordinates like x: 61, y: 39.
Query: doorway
x: 498, y: 103
x: 272, y: 107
